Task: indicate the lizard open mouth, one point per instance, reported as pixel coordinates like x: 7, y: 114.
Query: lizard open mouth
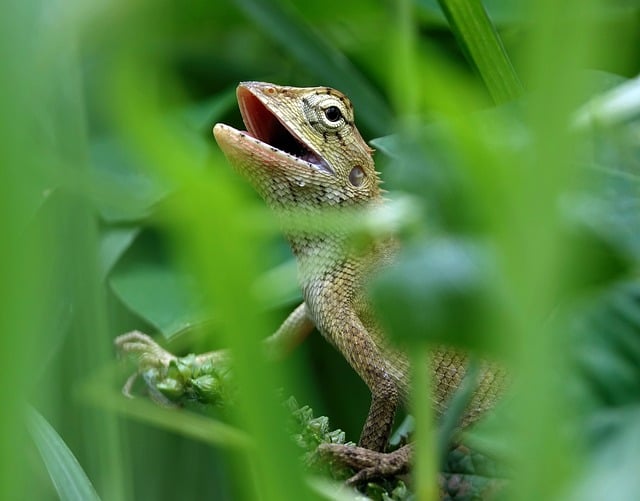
x: 262, y: 124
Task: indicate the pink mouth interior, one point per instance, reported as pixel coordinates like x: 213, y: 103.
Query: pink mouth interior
x: 265, y: 126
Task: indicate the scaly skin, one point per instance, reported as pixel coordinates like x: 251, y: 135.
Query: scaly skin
x: 305, y: 157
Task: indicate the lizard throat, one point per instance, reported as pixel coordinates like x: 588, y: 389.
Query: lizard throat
x: 265, y: 126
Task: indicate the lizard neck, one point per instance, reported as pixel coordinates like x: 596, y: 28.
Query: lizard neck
x: 322, y: 258
x: 320, y: 255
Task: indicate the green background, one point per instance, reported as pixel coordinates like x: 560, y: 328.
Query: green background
x: 118, y: 212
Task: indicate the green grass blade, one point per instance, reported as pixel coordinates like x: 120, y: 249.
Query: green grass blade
x: 68, y: 477
x: 456, y: 408
x: 188, y: 424
x: 226, y: 268
x: 426, y: 462
x: 478, y: 37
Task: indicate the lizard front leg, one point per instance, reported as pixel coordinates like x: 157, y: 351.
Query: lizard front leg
x: 291, y: 333
x: 150, y: 356
x: 385, y: 374
x: 385, y: 399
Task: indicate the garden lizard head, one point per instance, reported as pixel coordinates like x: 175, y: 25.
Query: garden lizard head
x: 301, y: 149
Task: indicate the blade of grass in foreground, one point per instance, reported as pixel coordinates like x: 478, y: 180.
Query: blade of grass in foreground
x: 561, y: 38
x: 21, y: 287
x: 406, y: 93
x: 226, y: 265
x: 479, y: 39
x: 68, y: 477
x: 189, y: 424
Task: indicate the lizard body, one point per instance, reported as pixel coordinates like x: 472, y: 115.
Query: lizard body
x: 304, y: 155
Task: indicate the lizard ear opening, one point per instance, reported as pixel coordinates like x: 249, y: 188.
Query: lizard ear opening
x: 356, y: 176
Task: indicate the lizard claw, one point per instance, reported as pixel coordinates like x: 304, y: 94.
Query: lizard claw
x: 147, y: 352
x: 367, y: 463
x: 148, y: 355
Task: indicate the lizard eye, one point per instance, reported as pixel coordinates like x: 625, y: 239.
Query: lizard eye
x: 328, y: 114
x: 333, y: 114
x: 356, y: 176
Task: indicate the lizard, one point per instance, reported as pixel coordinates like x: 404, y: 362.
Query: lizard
x: 302, y: 153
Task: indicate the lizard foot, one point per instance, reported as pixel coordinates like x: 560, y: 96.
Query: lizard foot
x: 147, y: 353
x: 471, y: 482
x: 368, y: 464
x: 172, y: 380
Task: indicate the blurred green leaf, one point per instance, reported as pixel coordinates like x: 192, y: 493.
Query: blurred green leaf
x: 421, y: 163
x: 203, y: 115
x: 435, y: 161
x: 320, y: 57
x: 607, y: 334
x: 278, y: 286
x: 438, y: 292
x: 114, y: 241
x: 619, y: 104
x: 152, y: 287
x: 163, y: 297
x: 68, y: 477
x: 612, y: 472
x: 126, y: 192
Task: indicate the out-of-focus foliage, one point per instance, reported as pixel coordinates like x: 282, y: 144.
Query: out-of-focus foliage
x: 119, y: 213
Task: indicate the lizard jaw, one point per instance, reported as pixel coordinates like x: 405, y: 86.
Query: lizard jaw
x: 264, y: 125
